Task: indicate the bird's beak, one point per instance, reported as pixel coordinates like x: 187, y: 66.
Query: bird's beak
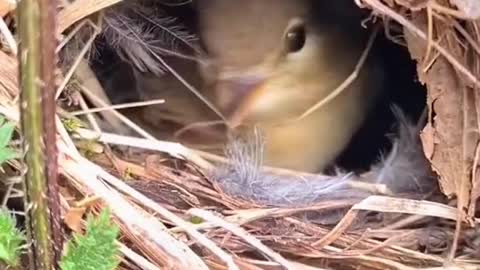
x: 237, y: 95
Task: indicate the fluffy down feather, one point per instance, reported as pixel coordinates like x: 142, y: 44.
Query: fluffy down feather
x: 404, y: 172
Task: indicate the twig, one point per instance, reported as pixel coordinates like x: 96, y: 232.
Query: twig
x: 408, y: 206
x: 337, y: 91
x: 121, y: 117
x: 136, y: 258
x: 174, y: 149
x: 96, y: 94
x: 430, y: 34
x: 378, y: 6
x: 73, y: 32
x: 80, y: 9
x: 238, y: 231
x: 190, y: 87
x: 122, y: 186
x: 455, y: 13
x: 118, y: 107
x: 12, y: 44
x: 77, y: 61
x: 90, y: 117
x: 475, y: 45
x: 82, y: 170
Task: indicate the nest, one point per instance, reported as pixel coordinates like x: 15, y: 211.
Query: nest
x: 173, y: 216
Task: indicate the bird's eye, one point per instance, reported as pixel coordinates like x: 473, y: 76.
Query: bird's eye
x: 295, y: 38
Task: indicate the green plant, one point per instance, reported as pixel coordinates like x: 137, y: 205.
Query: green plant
x: 6, y: 134
x: 11, y: 240
x: 96, y: 249
x: 128, y: 174
x: 72, y: 124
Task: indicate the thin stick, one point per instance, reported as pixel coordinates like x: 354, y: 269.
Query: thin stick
x: 238, y: 231
x: 174, y: 149
x: 90, y: 117
x: 80, y: 9
x: 347, y: 81
x: 467, y: 36
x: 77, y: 61
x: 12, y: 44
x: 137, y: 258
x: 188, y: 127
x: 123, y: 187
x: 79, y: 169
x: 121, y: 117
x: 378, y: 6
x: 191, y: 88
x: 455, y: 13
x: 430, y: 34
x: 118, y: 107
x: 72, y: 34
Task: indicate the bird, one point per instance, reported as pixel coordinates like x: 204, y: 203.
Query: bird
x: 265, y: 64
x: 270, y: 61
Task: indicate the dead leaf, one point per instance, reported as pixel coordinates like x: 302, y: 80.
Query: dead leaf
x: 428, y: 140
x: 73, y: 218
x: 446, y: 96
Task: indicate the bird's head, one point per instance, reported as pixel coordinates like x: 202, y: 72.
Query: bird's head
x: 272, y: 59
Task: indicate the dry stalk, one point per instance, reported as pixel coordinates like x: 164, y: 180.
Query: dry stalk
x: 118, y: 107
x: 349, y: 80
x: 80, y: 9
x: 389, y: 12
x: 7, y: 34
x: 208, y: 216
x: 174, y: 149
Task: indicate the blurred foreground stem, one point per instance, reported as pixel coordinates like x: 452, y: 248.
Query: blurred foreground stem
x: 36, y: 58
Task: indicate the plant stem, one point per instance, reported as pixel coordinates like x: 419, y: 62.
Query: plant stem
x: 48, y: 44
x: 36, y: 191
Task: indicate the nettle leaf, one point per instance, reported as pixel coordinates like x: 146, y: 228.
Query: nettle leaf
x: 7, y: 154
x: 96, y: 249
x: 11, y: 240
x: 6, y: 134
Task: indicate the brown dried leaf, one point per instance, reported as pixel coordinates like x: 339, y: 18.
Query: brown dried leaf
x: 73, y: 218
x: 428, y: 140
x: 453, y: 150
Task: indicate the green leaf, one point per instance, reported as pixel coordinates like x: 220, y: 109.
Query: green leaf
x: 97, y: 249
x: 72, y: 124
x: 196, y: 220
x: 7, y: 154
x: 11, y: 240
x: 6, y: 134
